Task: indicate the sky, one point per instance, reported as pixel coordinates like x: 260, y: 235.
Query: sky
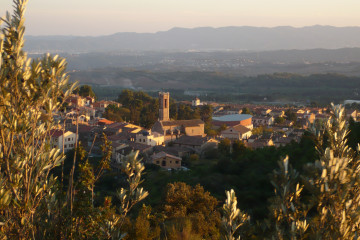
x: 105, y: 17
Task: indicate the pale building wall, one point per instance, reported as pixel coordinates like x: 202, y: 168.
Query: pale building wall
x: 195, y: 131
x: 150, y: 139
x: 167, y: 162
x: 69, y: 141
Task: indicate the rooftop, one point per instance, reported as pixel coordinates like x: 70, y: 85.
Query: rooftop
x: 232, y: 117
x: 191, y: 140
x: 164, y: 154
x: 185, y: 123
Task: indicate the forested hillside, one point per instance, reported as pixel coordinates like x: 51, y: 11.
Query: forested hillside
x: 215, y: 86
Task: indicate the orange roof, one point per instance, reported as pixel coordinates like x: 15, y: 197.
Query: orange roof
x: 105, y: 122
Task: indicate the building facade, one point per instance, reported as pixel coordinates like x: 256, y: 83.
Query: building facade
x: 60, y: 139
x: 150, y: 138
x: 166, y: 161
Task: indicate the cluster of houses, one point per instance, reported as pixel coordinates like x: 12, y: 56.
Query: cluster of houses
x: 164, y: 144
x: 168, y: 141
x: 274, y: 133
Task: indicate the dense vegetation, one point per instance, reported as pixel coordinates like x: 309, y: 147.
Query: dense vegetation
x: 224, y: 87
x: 142, y: 109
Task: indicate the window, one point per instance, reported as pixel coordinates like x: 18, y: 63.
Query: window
x: 65, y: 146
x: 144, y: 140
x: 170, y: 161
x: 165, y: 103
x: 177, y: 162
x: 163, y: 163
x: 68, y: 139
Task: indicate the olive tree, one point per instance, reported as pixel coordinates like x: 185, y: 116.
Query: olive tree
x: 31, y: 92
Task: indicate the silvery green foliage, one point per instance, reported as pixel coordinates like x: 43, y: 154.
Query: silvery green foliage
x: 334, y: 183
x: 288, y: 216
x: 30, y: 93
x: 233, y: 218
x: 133, y: 168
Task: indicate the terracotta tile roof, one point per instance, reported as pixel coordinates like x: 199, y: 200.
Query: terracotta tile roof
x: 173, y: 150
x: 260, y: 143
x: 191, y: 140
x: 241, y: 129
x: 164, y: 154
x: 138, y: 146
x: 55, y: 133
x: 105, y: 122
x: 118, y: 137
x: 185, y: 123
x: 116, y: 125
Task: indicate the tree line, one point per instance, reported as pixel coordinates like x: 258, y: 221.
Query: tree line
x: 141, y: 109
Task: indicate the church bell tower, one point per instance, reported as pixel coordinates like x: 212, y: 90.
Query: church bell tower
x: 164, y: 102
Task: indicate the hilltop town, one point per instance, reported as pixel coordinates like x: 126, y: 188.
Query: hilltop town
x: 166, y: 142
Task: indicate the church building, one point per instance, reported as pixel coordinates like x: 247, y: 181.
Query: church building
x: 172, y: 129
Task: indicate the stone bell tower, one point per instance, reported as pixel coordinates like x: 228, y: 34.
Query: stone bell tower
x: 164, y: 102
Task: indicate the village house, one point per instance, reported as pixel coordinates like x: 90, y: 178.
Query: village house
x: 60, y: 138
x: 118, y: 152
x: 124, y: 149
x: 150, y: 138
x: 197, y: 143
x: 122, y: 130
x: 75, y: 101
x: 237, y: 132
x: 174, y: 150
x: 102, y: 105
x: 85, y: 133
x: 263, y: 121
x: 173, y: 129
x: 260, y: 143
x: 166, y: 161
x: 87, y: 112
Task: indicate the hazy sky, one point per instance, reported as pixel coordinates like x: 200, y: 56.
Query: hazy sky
x: 103, y: 17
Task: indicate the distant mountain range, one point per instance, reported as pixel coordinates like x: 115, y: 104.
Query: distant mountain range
x: 204, y: 39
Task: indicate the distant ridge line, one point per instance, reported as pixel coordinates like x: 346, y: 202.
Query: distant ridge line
x: 205, y: 38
